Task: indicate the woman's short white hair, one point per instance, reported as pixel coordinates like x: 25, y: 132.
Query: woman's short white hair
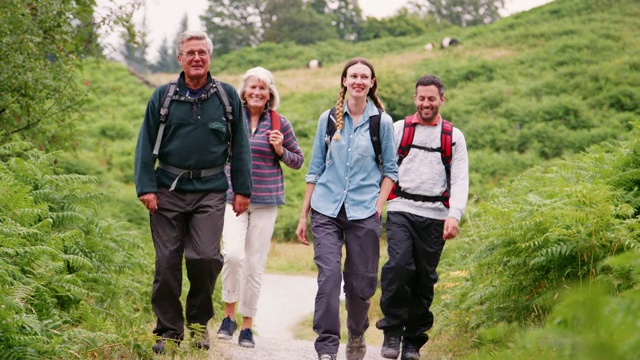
x: 266, y: 77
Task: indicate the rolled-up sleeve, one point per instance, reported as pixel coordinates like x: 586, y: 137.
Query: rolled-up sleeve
x: 319, y: 151
x: 389, y: 155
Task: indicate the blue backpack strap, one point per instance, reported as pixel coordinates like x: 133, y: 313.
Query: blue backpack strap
x: 164, y: 113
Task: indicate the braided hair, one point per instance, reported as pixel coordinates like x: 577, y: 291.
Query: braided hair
x: 343, y: 91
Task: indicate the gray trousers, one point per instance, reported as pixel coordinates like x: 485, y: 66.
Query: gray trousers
x: 189, y: 225
x: 362, y: 240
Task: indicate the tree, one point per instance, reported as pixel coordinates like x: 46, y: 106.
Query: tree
x: 167, y: 52
x: 134, y: 49
x: 292, y: 20
x: 462, y: 12
x: 348, y: 18
x: 345, y: 15
x: 41, y: 44
x: 167, y: 59
x: 233, y: 24
x: 403, y: 23
x: 237, y: 24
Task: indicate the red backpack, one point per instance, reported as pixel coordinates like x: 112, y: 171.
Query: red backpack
x: 445, y: 150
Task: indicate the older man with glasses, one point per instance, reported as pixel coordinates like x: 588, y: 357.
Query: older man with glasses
x: 190, y: 128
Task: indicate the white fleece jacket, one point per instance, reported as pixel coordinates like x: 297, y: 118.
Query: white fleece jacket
x: 422, y: 173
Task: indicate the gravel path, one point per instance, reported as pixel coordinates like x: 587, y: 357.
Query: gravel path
x: 284, y: 300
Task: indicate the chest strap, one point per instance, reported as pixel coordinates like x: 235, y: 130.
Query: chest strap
x: 189, y: 174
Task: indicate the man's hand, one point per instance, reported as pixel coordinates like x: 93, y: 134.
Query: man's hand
x: 240, y: 204
x: 451, y: 226
x: 301, y: 231
x: 150, y: 201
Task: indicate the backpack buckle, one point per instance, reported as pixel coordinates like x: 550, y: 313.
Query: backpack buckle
x: 195, y: 174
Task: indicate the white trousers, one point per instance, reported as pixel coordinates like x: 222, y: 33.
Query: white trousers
x: 246, y: 240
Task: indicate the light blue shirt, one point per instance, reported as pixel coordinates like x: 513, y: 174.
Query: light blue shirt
x: 347, y: 172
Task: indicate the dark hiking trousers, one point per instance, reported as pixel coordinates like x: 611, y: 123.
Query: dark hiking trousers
x: 414, y: 246
x: 189, y: 225
x: 362, y: 240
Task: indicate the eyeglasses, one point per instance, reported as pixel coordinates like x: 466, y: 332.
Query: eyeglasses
x: 192, y: 54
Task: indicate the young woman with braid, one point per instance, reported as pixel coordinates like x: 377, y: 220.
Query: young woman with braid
x: 346, y: 190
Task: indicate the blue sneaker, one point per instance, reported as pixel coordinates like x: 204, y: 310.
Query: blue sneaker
x: 245, y: 339
x: 227, y: 328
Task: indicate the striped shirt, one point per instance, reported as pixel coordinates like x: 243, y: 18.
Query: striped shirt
x: 266, y: 172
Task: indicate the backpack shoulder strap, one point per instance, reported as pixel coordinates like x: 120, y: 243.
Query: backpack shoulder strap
x: 275, y: 120
x: 374, y: 133
x: 408, y: 132
x: 164, y: 113
x: 446, y: 142
x: 446, y: 145
x: 331, y: 128
x: 228, y: 111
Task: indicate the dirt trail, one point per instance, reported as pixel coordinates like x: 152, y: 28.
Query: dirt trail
x: 284, y: 300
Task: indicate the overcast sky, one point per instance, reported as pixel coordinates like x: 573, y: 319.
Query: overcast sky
x: 164, y: 16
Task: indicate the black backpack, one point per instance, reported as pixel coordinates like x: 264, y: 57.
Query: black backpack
x: 374, y: 133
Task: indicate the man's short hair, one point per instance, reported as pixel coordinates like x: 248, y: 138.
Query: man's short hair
x: 428, y: 80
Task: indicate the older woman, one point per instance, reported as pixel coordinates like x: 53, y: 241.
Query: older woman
x: 247, y: 237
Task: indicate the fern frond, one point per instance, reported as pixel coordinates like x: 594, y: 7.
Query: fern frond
x: 78, y: 262
x: 70, y: 179
x: 66, y: 218
x: 14, y: 148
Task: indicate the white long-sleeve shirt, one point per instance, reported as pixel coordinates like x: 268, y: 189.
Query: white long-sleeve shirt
x: 422, y: 173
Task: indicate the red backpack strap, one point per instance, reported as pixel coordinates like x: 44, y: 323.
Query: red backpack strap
x: 446, y: 141
x: 446, y: 148
x: 408, y: 131
x: 275, y: 120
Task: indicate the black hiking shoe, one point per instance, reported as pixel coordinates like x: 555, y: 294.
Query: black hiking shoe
x: 245, y: 339
x: 159, y: 347
x: 410, y: 352
x: 227, y: 328
x: 202, y: 340
x: 390, y: 347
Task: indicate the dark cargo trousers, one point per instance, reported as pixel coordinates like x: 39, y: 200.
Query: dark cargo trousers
x: 362, y: 241
x: 407, y: 279
x: 189, y: 225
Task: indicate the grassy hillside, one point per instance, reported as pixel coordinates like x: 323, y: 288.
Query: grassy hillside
x: 538, y: 85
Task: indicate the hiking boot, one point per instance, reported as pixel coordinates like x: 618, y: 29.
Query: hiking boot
x: 356, y: 348
x: 227, y: 328
x: 245, y: 339
x: 410, y: 352
x: 202, y: 340
x: 159, y: 347
x: 327, y: 356
x: 390, y: 347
